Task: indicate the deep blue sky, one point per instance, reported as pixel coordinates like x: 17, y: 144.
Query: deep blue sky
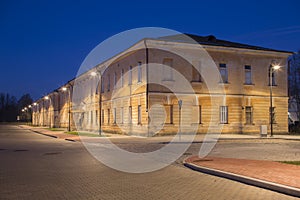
x: 42, y: 44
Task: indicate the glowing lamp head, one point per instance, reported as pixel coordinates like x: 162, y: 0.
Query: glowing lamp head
x: 64, y: 89
x: 29, y: 106
x: 276, y: 67
x: 46, y: 97
x: 34, y: 103
x: 93, y: 73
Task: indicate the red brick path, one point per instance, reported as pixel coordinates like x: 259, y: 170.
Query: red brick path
x: 285, y: 174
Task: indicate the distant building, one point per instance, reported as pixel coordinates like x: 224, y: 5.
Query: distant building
x: 244, y: 75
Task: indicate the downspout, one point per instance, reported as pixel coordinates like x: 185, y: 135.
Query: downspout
x: 147, y: 87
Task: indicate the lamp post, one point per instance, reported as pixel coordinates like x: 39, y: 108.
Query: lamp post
x: 49, y: 112
x: 99, y: 87
x: 29, y: 114
x: 69, y: 106
x: 180, y: 105
x: 272, y: 69
x: 35, y: 113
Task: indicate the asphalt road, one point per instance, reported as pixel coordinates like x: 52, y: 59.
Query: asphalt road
x: 39, y: 167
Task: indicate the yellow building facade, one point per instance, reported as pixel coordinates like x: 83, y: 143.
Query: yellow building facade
x: 139, y: 90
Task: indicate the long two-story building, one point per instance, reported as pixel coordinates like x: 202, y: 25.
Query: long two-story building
x: 183, y: 83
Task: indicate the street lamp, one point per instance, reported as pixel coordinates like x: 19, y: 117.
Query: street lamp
x: 180, y: 106
x: 99, y: 74
x: 69, y: 106
x: 35, y: 113
x: 49, y: 112
x: 272, y: 69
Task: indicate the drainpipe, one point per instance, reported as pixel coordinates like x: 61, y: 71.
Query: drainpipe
x: 147, y: 87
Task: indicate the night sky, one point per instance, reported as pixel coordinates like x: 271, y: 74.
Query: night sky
x: 43, y: 43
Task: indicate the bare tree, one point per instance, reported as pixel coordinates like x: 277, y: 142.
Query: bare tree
x: 294, y: 86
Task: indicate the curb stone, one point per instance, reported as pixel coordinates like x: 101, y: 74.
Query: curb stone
x: 53, y: 136
x: 292, y: 191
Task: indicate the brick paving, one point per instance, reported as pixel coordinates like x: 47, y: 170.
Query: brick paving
x: 276, y: 172
x: 38, y: 167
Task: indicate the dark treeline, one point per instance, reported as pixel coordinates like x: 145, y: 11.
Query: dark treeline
x: 10, y: 107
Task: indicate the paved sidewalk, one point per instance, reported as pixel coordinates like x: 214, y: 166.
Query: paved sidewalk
x: 167, y: 138
x: 284, y: 178
x: 61, y: 133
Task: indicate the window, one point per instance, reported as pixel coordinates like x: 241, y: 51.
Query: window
x: 96, y: 118
x: 130, y: 114
x: 102, y: 116
x: 272, y: 112
x: 223, y: 73
x: 139, y: 71
x: 108, y: 116
x: 196, y: 76
x: 108, y: 82
x: 91, y: 117
x: 139, y: 114
x: 115, y: 80
x: 248, y: 75
x: 122, y: 78
x: 102, y: 85
x: 249, y: 117
x: 169, y: 112
x: 167, y: 69
x: 115, y: 115
x: 130, y: 76
x: 122, y: 115
x: 223, y: 114
x: 196, y: 114
x: 273, y: 78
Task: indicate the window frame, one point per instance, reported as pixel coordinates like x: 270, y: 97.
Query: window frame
x: 223, y: 68
x: 248, y: 70
x: 223, y: 114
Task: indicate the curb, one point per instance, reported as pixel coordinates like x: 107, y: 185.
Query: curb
x: 292, y: 191
x: 53, y: 136
x: 71, y: 140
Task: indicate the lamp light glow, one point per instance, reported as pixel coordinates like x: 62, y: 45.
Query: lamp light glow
x: 93, y: 73
x: 276, y: 67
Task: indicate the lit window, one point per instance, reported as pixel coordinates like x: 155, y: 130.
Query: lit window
x: 91, y: 117
x: 196, y: 114
x: 115, y: 115
x: 108, y: 116
x: 96, y: 118
x: 249, y: 115
x: 169, y: 112
x: 223, y: 114
x: 130, y: 114
x: 122, y: 115
x: 139, y: 114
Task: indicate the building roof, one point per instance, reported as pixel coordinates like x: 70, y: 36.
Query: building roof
x: 213, y: 41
